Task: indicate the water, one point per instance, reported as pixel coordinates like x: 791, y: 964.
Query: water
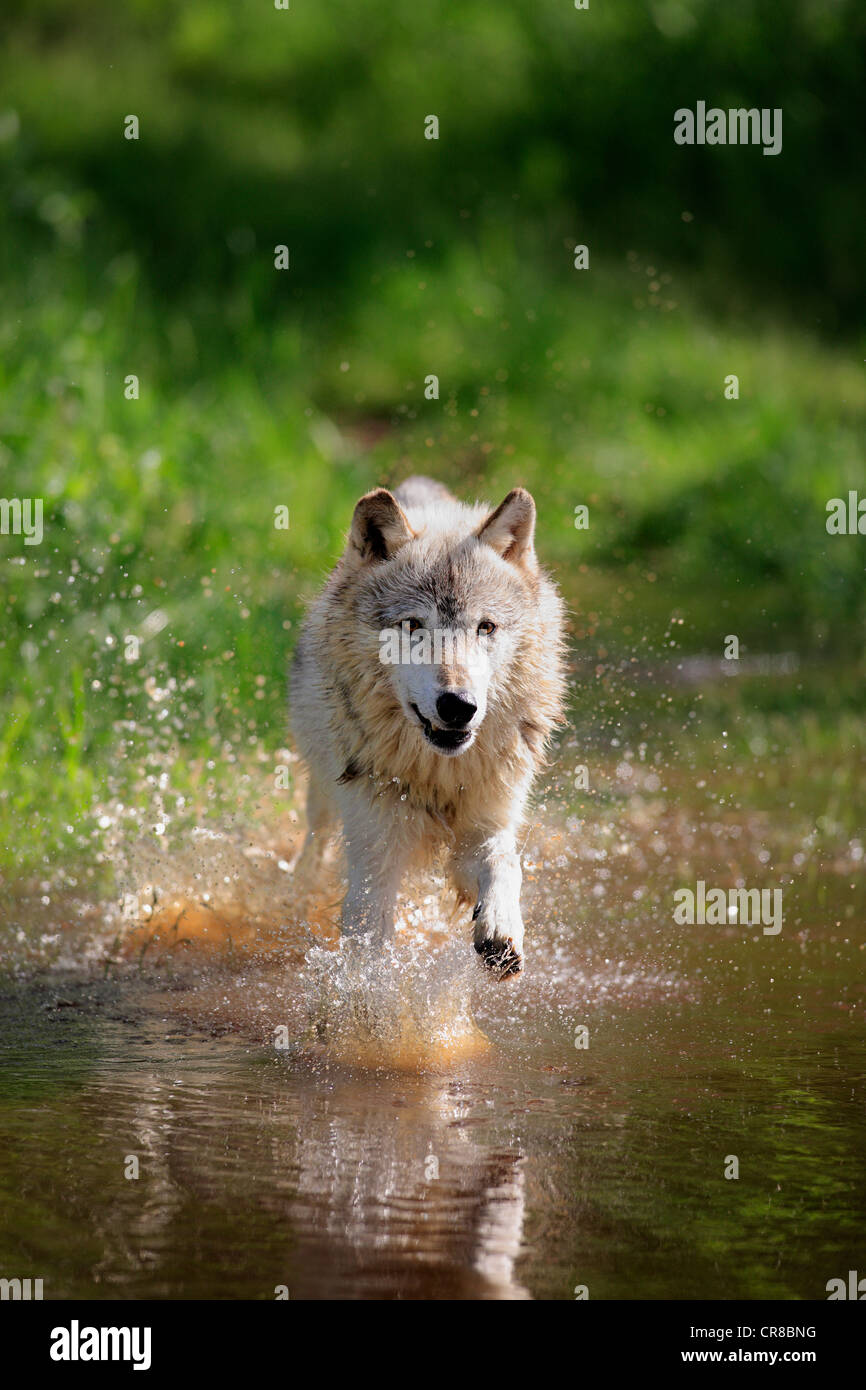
x: 350, y: 1126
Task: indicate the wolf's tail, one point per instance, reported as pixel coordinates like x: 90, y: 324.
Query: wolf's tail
x: 420, y: 492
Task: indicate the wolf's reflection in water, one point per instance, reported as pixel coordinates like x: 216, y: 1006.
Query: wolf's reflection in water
x: 405, y: 1203
x: 334, y: 1185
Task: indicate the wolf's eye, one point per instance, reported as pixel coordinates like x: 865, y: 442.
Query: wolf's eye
x: 413, y: 624
x: 486, y: 628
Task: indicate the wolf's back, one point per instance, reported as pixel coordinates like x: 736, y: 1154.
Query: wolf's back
x: 422, y: 492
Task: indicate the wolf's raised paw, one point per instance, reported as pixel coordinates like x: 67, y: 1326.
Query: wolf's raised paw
x: 500, y: 957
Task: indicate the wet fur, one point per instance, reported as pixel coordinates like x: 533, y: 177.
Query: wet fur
x: 373, y: 774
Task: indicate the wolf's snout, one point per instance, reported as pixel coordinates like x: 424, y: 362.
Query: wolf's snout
x: 456, y: 708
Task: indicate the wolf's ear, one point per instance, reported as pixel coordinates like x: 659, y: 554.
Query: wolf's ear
x: 510, y: 530
x: 379, y: 527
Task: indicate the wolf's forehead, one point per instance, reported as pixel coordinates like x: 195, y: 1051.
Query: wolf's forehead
x: 454, y: 584
x: 450, y: 585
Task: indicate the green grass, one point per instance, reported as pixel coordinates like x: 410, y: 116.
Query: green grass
x: 159, y: 511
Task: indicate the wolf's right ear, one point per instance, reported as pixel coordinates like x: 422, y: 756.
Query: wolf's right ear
x: 510, y: 530
x: 379, y: 527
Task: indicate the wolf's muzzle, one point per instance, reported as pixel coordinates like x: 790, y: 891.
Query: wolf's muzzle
x: 456, y: 708
x: 446, y: 740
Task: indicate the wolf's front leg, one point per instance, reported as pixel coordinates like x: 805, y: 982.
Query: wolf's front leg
x: 489, y: 867
x: 322, y: 825
x: 376, y: 860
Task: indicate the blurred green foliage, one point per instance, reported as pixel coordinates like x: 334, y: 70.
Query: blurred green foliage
x: 304, y: 127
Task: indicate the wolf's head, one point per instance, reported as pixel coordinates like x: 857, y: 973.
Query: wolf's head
x: 454, y: 605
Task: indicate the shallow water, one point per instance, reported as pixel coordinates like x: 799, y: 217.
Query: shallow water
x: 348, y: 1126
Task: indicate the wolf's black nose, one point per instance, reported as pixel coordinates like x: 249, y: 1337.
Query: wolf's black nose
x: 456, y: 708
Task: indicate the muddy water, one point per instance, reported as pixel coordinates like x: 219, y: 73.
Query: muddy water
x: 343, y: 1127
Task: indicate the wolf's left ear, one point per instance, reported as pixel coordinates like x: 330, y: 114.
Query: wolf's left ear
x: 510, y: 530
x: 379, y: 527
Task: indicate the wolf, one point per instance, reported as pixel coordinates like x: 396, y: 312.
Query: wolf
x: 426, y: 682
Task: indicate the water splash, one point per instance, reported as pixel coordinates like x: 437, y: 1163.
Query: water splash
x: 404, y: 1004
